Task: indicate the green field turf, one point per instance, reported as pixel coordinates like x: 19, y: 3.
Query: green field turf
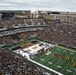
x: 58, y: 64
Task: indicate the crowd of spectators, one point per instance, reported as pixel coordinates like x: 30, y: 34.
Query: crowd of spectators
x: 11, y: 64
x: 16, y: 38
x: 8, y: 23
x: 11, y: 23
x: 58, y: 33
x: 19, y: 30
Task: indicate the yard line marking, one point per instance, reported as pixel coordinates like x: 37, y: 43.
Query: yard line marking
x: 45, y: 67
x: 72, y: 65
x: 66, y: 66
x: 43, y: 56
x: 74, y: 72
x: 65, y: 48
x: 50, y: 57
x: 64, y: 60
x: 56, y: 62
x: 40, y: 57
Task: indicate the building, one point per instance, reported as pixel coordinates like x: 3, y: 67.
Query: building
x: 27, y: 13
x: 42, y: 14
x: 67, y: 17
x: 34, y: 14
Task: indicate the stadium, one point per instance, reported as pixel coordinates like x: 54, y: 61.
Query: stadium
x: 32, y: 46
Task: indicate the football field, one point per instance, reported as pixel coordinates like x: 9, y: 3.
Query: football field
x: 65, y: 66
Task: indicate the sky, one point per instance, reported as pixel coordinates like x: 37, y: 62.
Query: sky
x: 51, y: 5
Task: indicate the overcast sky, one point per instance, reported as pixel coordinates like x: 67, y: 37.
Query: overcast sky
x: 52, y: 5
